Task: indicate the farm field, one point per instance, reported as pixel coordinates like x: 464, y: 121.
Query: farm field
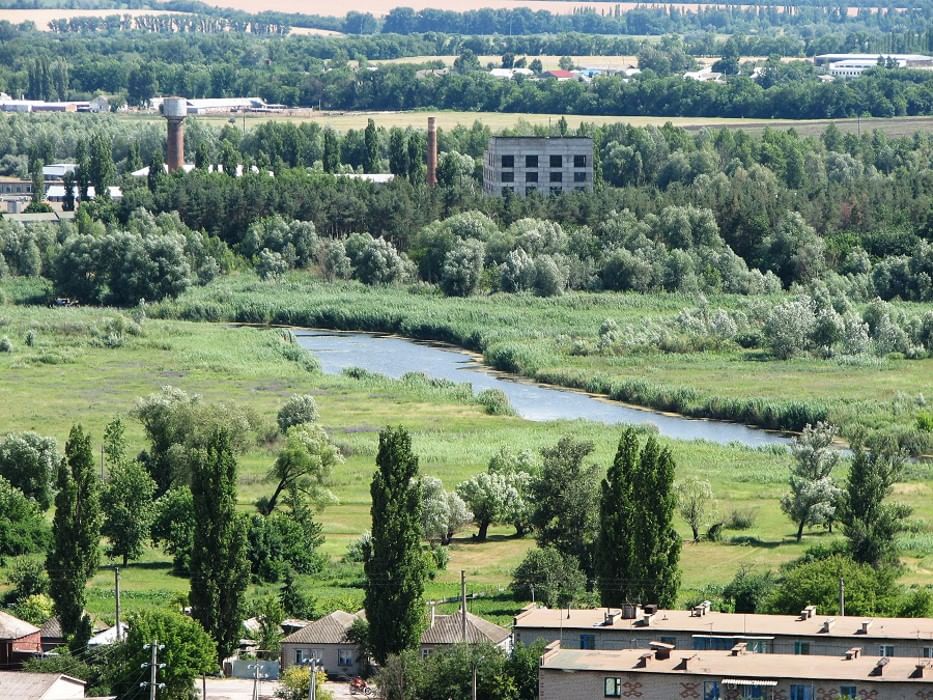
x: 69, y: 376
x: 497, y: 121
x: 42, y: 17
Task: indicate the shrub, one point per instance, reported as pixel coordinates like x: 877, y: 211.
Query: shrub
x: 31, y: 337
x: 298, y: 409
x: 495, y: 402
x: 6, y: 344
x: 741, y: 519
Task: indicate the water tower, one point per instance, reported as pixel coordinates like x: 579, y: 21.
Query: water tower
x: 175, y: 109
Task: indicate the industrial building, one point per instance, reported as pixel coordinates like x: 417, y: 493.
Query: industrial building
x: 701, y: 629
x: 910, y: 60
x: 663, y: 673
x: 215, y: 105
x: 527, y: 165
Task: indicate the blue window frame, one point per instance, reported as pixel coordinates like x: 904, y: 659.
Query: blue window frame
x: 711, y: 690
x: 802, y: 648
x: 801, y: 692
x: 587, y: 641
x: 848, y: 691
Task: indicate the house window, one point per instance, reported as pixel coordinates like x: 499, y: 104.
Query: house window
x: 711, y: 690
x: 801, y: 692
x: 557, y: 161
x: 755, y: 692
x: 579, y: 161
x: 425, y: 653
x: 847, y: 691
x: 299, y: 656
x: 508, y: 161
x: 508, y: 177
x: 531, y: 161
x: 928, y: 652
x: 587, y: 641
x: 802, y: 648
x: 758, y: 646
x: 579, y: 176
x: 613, y: 688
x: 669, y: 640
x: 531, y: 177
x: 887, y: 650
x: 557, y: 176
x: 344, y: 657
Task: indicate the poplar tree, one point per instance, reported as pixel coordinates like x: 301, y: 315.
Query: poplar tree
x: 74, y: 555
x: 331, y: 151
x: 638, y: 549
x: 219, y: 567
x: 371, y: 148
x: 395, y: 571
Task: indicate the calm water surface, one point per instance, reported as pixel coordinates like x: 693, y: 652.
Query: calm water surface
x: 394, y: 357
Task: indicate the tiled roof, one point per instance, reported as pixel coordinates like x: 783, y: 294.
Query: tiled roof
x: 52, y: 629
x: 14, y: 628
x: 447, y: 630
x: 331, y: 629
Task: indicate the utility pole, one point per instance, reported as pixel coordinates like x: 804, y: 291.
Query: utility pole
x: 102, y: 462
x: 842, y: 596
x: 154, y: 667
x: 312, y: 678
x: 116, y: 585
x: 463, y: 635
x: 473, y: 694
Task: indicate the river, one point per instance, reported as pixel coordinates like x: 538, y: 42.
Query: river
x: 392, y: 356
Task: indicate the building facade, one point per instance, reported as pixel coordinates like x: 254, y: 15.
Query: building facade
x: 700, y: 629
x: 664, y: 674
x: 537, y: 165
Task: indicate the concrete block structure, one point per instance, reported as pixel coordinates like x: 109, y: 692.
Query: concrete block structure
x: 664, y: 674
x: 700, y: 629
x: 537, y: 165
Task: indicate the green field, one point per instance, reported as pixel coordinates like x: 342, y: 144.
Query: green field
x: 70, y: 376
x: 498, y: 121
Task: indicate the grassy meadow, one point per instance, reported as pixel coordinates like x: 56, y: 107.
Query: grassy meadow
x: 69, y: 375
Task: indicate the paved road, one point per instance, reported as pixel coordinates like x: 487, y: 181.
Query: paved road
x: 238, y: 689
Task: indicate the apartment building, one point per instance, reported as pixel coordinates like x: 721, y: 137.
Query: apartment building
x: 666, y: 674
x: 528, y: 165
x: 700, y: 629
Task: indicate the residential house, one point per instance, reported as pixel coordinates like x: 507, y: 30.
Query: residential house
x: 700, y: 629
x: 15, y: 185
x: 328, y: 640
x: 53, y: 637
x: 19, y: 641
x: 40, y: 686
x: 560, y: 75
x: 666, y: 674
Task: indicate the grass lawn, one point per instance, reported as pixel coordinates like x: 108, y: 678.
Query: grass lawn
x: 69, y: 376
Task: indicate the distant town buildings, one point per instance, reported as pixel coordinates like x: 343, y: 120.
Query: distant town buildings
x: 221, y: 105
x: 10, y: 104
x: 663, y: 673
x: 546, y: 165
x: 846, y: 66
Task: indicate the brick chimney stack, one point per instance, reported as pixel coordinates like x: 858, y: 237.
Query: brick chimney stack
x: 432, y: 151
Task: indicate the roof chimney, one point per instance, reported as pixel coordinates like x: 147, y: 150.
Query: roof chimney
x: 661, y: 650
x: 827, y: 624
x: 878, y: 670
x: 923, y: 669
x: 739, y: 649
x: 432, y: 151
x: 853, y: 653
x: 644, y: 659
x: 686, y: 662
x: 630, y: 611
x: 433, y: 612
x: 866, y: 625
